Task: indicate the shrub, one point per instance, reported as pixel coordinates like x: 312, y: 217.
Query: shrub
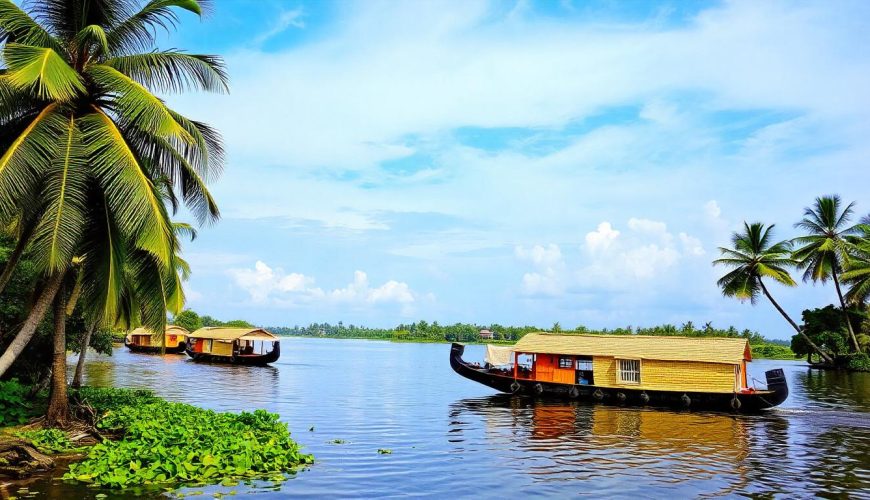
x: 167, y: 442
x: 49, y: 440
x: 15, y: 408
x: 859, y: 362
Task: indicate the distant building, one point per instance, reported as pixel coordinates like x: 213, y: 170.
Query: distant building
x: 486, y: 334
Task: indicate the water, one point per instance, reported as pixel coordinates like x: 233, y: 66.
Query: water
x: 451, y: 437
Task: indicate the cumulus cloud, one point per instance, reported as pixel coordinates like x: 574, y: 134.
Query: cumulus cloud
x: 267, y: 285
x: 601, y: 239
x: 548, y: 278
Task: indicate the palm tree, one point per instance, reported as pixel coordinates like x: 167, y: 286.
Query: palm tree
x: 857, y: 274
x: 752, y: 258
x: 87, y: 148
x: 825, y: 249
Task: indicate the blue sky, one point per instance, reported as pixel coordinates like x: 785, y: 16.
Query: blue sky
x: 519, y: 162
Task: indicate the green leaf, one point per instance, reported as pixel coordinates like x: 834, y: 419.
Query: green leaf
x: 43, y: 70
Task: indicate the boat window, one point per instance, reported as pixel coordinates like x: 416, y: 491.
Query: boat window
x: 584, y: 365
x: 628, y: 371
x: 566, y: 362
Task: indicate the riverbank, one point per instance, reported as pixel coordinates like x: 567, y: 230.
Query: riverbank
x: 131, y: 438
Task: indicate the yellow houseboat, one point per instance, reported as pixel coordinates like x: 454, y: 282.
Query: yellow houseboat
x: 244, y: 346
x: 631, y: 369
x: 143, y: 340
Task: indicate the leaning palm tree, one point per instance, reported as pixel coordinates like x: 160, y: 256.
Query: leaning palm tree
x: 857, y: 274
x: 753, y: 257
x: 825, y: 250
x: 85, y: 144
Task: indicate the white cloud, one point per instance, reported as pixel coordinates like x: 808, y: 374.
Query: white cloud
x: 267, y: 285
x: 548, y: 279
x: 601, y: 239
x: 647, y: 250
x: 287, y: 19
x: 711, y: 208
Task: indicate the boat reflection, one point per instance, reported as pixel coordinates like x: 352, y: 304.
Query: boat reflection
x: 575, y: 441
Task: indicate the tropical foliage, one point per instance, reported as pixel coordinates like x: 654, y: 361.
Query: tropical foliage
x: 830, y: 249
x: 177, y: 443
x: 93, y: 163
x: 192, y: 321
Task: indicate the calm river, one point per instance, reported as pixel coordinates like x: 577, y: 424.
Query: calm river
x: 451, y: 437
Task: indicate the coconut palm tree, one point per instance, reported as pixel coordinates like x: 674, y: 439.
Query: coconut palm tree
x: 87, y: 147
x: 753, y: 257
x: 857, y: 274
x: 825, y: 250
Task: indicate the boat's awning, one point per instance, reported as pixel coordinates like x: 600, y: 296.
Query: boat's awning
x: 497, y: 355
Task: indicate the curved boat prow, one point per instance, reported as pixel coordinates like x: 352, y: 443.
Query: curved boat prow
x: 776, y: 382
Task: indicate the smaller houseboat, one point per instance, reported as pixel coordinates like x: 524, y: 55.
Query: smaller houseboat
x: 683, y: 372
x: 144, y: 340
x: 242, y: 346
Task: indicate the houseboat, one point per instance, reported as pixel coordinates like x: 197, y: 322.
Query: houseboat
x: 241, y: 346
x: 144, y: 340
x: 683, y: 372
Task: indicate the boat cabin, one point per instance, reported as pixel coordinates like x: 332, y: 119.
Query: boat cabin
x: 144, y: 340
x: 237, y: 345
x: 652, y: 363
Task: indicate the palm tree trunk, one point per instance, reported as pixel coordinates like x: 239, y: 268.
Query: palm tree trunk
x: 798, y: 329
x: 33, y: 319
x: 12, y: 263
x: 845, y: 311
x: 58, y: 401
x: 80, y: 365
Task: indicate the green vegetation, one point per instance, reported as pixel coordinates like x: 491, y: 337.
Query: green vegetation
x: 50, y: 440
x: 163, y: 442
x: 16, y: 405
x: 94, y: 165
x: 423, y: 331
x: 192, y: 321
x: 829, y: 250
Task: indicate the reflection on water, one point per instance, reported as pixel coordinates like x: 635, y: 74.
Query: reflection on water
x: 452, y: 437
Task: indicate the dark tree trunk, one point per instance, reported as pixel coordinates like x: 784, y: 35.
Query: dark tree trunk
x: 33, y: 319
x: 58, y: 401
x: 20, y: 245
x: 845, y: 311
x: 794, y: 325
x: 80, y: 365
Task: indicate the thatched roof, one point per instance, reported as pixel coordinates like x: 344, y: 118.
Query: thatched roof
x: 169, y: 330
x: 220, y: 333
x: 665, y: 348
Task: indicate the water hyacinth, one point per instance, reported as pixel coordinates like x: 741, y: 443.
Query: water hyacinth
x: 177, y: 443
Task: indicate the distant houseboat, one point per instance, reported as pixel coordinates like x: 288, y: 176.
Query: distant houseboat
x: 685, y: 372
x: 243, y: 346
x: 142, y: 340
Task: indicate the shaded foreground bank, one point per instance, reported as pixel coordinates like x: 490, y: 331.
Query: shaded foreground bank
x: 142, y: 440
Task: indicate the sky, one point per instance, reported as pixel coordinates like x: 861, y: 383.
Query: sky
x: 519, y: 162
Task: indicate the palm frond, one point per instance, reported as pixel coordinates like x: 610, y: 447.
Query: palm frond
x: 130, y: 194
x: 26, y: 159
x: 65, y: 191
x: 43, y: 70
x: 135, y: 104
x: 173, y: 71
x: 138, y: 32
x: 17, y: 26
x: 93, y: 37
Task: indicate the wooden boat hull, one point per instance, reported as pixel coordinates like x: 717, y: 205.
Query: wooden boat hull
x: 742, y: 402
x: 246, y: 359
x: 179, y: 349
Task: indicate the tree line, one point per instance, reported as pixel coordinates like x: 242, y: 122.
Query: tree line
x: 470, y: 332
x: 831, y: 249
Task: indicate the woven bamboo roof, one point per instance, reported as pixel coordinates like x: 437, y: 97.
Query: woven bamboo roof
x: 221, y: 333
x: 170, y: 330
x: 665, y: 348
